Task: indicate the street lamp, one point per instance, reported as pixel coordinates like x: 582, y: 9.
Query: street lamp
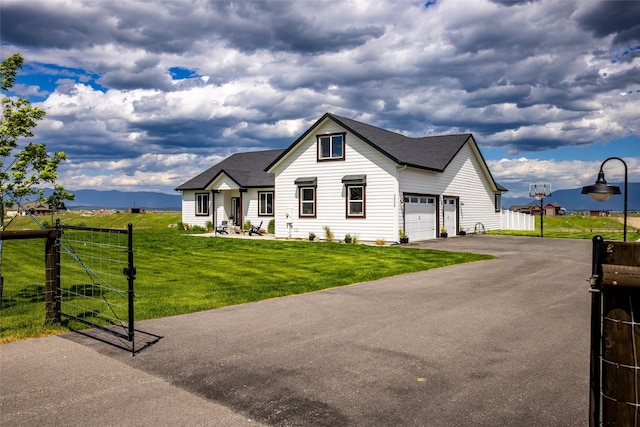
x: 601, y: 191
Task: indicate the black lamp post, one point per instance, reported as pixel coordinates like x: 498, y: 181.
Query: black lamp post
x: 601, y: 191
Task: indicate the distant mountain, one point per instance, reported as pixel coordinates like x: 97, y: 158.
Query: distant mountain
x: 572, y: 200
x: 113, y: 199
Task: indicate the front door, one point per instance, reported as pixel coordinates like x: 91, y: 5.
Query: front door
x: 236, y: 208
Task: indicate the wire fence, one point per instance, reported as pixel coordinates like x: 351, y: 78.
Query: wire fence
x: 94, y: 287
x: 23, y: 278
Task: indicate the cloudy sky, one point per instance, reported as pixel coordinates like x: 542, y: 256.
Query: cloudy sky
x: 143, y: 95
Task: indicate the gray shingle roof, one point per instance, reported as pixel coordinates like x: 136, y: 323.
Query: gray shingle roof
x: 246, y: 169
x: 429, y: 152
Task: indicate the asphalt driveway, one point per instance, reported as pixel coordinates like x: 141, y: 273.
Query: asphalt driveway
x: 501, y: 343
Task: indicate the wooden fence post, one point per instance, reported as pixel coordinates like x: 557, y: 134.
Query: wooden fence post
x: 52, y: 280
x: 52, y: 265
x: 620, y: 380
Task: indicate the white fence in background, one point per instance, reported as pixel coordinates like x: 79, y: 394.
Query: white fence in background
x: 517, y: 221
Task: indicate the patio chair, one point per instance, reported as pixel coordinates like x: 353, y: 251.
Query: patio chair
x: 222, y: 228
x: 255, y: 230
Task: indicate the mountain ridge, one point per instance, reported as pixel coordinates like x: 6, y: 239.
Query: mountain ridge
x: 570, y: 199
x: 573, y: 200
x: 116, y: 199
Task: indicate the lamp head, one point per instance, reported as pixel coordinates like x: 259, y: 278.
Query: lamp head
x: 600, y: 191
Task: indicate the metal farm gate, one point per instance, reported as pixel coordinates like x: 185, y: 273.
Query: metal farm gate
x: 97, y: 277
x: 96, y: 286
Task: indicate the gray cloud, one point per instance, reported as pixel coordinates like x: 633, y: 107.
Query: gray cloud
x: 618, y: 18
x: 526, y: 76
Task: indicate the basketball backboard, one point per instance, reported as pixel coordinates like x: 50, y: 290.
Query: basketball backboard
x: 539, y: 190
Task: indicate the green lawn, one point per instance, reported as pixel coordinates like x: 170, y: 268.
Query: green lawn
x: 578, y: 227
x: 179, y: 273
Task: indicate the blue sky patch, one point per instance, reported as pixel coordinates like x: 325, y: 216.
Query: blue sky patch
x: 36, y: 81
x: 179, y: 73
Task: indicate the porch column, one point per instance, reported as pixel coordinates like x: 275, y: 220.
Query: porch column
x: 213, y: 208
x: 241, y: 221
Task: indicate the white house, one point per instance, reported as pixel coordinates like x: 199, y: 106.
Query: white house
x: 355, y: 179
x: 235, y: 190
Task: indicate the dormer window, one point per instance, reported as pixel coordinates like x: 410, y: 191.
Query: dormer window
x: 331, y: 147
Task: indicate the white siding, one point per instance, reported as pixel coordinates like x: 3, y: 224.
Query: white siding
x: 464, y: 178
x: 250, y: 207
x: 223, y: 207
x: 189, y: 209
x: 223, y: 182
x: 381, y: 194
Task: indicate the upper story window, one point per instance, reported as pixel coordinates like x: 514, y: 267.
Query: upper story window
x: 202, y: 204
x: 265, y: 203
x: 331, y: 147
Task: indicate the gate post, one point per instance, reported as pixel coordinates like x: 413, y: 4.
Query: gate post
x: 131, y: 275
x: 52, y: 280
x: 618, y: 269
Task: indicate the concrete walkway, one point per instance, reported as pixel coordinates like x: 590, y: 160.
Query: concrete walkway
x: 495, y: 343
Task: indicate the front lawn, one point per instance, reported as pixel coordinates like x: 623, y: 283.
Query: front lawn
x: 178, y: 273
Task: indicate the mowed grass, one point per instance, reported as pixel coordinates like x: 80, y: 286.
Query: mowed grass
x: 578, y: 227
x: 190, y: 273
x: 179, y: 273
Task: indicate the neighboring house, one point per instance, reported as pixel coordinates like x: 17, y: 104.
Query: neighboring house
x: 35, y: 207
x: 13, y: 210
x: 550, y: 209
x: 236, y: 190
x: 355, y: 179
x: 554, y: 209
x: 525, y: 208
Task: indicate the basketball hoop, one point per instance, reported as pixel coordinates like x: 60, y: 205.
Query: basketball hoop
x: 539, y: 190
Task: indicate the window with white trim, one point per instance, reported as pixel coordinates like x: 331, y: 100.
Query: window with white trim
x: 355, y: 201
x: 265, y: 203
x: 307, y: 198
x: 331, y: 147
x: 202, y: 204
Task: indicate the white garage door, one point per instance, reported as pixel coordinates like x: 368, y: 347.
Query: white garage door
x: 420, y: 217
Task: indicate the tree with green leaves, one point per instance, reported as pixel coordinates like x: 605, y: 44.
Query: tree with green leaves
x: 24, y: 166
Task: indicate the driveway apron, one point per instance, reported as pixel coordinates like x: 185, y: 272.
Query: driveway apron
x: 495, y: 343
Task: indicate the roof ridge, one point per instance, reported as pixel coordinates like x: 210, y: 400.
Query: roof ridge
x: 447, y: 135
